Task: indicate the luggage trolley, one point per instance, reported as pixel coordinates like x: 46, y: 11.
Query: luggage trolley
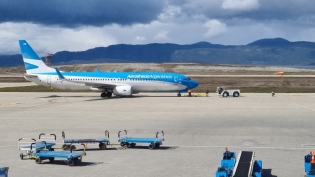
x: 102, y: 141
x: 24, y: 145
x: 131, y: 141
x: 72, y: 157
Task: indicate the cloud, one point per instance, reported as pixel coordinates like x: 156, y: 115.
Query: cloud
x: 240, y: 5
x: 74, y: 13
x: 215, y: 28
x: 163, y: 35
x: 141, y: 38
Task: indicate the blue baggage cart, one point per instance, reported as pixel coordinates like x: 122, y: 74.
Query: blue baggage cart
x: 102, y: 141
x: 71, y: 157
x: 132, y: 141
x: 24, y: 144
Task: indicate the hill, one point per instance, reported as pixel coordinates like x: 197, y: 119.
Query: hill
x: 276, y: 51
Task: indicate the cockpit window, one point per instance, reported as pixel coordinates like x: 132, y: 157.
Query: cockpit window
x: 187, y: 79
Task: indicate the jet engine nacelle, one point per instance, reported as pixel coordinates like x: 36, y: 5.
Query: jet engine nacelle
x: 124, y: 90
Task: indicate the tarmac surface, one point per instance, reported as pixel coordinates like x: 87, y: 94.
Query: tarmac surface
x: 16, y: 84
x: 279, y: 129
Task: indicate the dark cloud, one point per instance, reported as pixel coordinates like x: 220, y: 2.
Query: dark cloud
x: 72, y: 13
x: 290, y: 10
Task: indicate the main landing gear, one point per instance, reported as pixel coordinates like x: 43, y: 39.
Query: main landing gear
x: 179, y: 95
x: 106, y: 94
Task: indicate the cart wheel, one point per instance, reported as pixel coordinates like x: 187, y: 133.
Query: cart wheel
x: 38, y: 160
x: 51, y: 160
x: 151, y: 146
x: 64, y: 147
x: 71, y: 162
x: 122, y: 144
x: 102, y: 146
x: 21, y: 156
x: 132, y: 145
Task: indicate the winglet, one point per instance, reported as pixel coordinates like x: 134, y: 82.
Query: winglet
x: 97, y: 70
x: 59, y: 74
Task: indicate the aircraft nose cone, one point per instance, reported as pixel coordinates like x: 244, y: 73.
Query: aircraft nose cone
x: 194, y: 84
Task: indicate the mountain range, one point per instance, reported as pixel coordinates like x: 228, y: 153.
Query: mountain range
x: 276, y: 52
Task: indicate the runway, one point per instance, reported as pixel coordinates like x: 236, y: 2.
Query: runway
x: 197, y: 129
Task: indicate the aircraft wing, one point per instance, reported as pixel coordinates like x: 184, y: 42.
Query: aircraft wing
x: 92, y: 84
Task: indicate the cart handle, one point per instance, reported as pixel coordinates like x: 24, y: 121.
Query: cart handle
x: 84, y: 147
x: 157, y: 135
x: 120, y: 132
x: 106, y: 134
x: 27, y: 138
x: 63, y: 135
x: 47, y: 134
x: 71, y: 148
x: 32, y: 146
x: 45, y: 144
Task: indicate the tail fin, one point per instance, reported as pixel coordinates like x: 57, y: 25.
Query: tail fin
x: 33, y: 64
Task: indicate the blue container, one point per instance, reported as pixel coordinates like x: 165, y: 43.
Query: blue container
x: 4, y: 171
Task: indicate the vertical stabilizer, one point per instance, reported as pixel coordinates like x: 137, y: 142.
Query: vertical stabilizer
x: 33, y: 64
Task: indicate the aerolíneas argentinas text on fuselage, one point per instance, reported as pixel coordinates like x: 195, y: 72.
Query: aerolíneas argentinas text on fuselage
x: 117, y: 83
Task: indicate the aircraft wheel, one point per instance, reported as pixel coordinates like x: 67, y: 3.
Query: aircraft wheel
x: 109, y: 94
x: 179, y: 95
x: 38, y: 160
x: 103, y: 94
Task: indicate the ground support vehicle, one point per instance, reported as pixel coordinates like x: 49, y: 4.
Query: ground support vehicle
x: 24, y: 144
x: 132, y: 141
x: 309, y: 164
x: 102, y: 141
x: 228, y: 92
x: 71, y: 157
x: 243, y: 166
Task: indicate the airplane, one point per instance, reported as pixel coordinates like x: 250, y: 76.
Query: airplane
x: 108, y: 83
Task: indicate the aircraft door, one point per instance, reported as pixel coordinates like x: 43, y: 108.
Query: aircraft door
x: 49, y: 80
x: 175, y: 79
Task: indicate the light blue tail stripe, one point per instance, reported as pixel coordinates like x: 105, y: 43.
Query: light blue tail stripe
x: 29, y: 66
x: 27, y: 51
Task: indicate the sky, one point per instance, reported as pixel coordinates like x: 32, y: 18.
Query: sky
x: 76, y: 25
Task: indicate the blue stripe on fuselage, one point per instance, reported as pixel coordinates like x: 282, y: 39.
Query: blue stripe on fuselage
x: 121, y: 75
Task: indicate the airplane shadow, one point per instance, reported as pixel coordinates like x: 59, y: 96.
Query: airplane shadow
x: 64, y: 162
x: 267, y: 173
x: 98, y: 98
